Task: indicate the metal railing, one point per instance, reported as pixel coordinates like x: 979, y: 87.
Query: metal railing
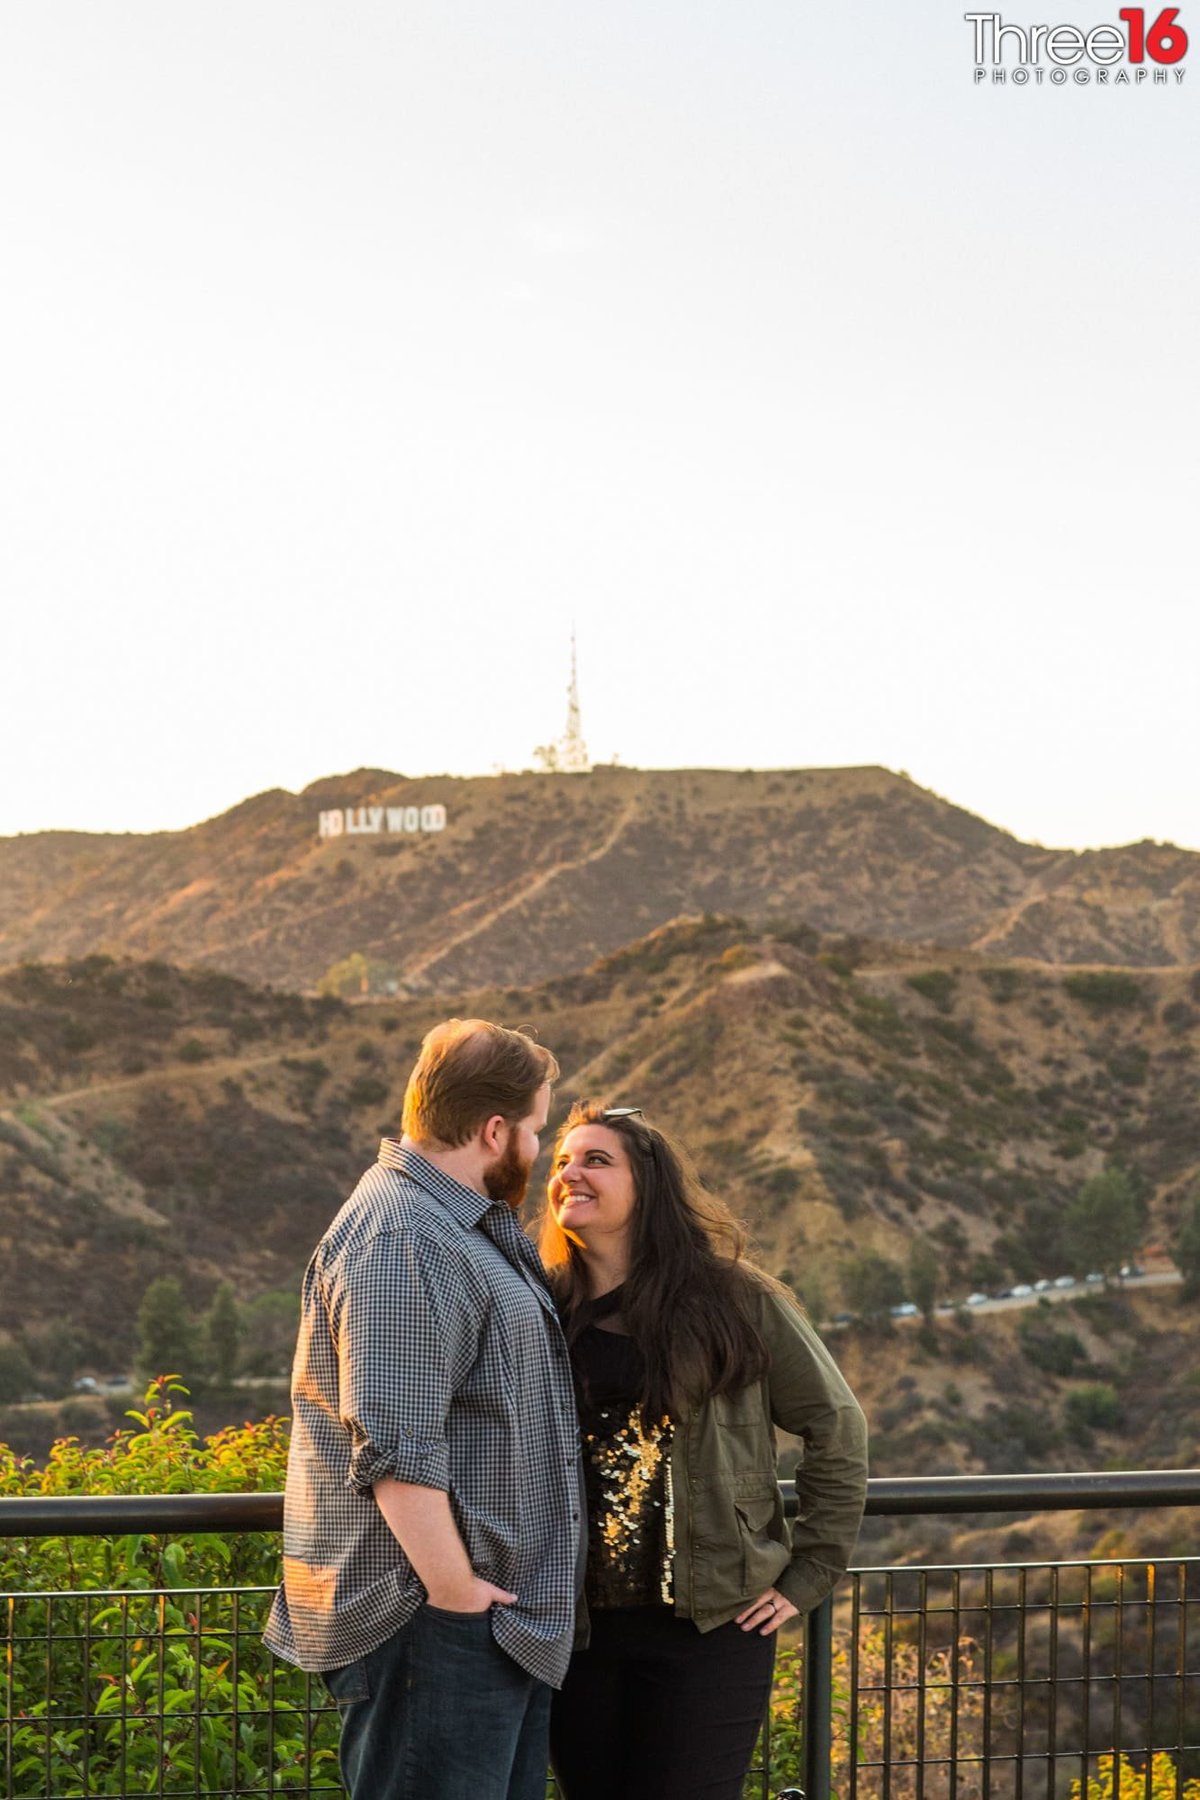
x: 1006, y: 1681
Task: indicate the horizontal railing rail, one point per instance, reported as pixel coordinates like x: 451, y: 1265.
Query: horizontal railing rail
x: 1010, y: 1680
x: 104, y: 1515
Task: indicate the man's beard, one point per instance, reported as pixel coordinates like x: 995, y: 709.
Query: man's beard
x: 507, y: 1180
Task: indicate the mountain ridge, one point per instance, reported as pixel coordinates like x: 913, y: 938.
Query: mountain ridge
x: 537, y: 875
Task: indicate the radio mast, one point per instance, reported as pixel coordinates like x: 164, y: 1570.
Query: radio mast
x: 572, y: 751
x: 568, y: 755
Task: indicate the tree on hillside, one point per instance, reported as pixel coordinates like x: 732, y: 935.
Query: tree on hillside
x: 1104, y: 1222
x: 1187, y: 1250
x: 222, y: 1336
x: 17, y: 1379
x: 872, y: 1285
x: 270, y: 1322
x: 924, y: 1276
x: 166, y: 1337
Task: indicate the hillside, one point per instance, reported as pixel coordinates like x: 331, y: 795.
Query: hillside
x: 845, y: 1095
x: 538, y: 875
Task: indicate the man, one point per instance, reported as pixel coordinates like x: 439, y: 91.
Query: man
x: 431, y: 1519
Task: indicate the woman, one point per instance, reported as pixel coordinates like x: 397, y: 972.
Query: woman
x: 685, y: 1359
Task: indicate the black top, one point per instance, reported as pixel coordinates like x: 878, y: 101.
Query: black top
x: 626, y: 1471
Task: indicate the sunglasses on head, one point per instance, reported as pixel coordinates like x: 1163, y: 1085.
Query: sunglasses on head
x: 621, y: 1112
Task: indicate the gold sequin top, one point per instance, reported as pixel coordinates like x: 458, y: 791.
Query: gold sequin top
x: 627, y: 1476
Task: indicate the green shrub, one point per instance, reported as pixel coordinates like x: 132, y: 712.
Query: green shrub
x: 1048, y: 1347
x: 1129, y: 1065
x: 936, y: 985
x: 80, y: 1654
x: 1094, y: 1408
x: 366, y: 1090
x: 800, y: 937
x: 1104, y: 990
x: 17, y: 1379
x: 1002, y: 983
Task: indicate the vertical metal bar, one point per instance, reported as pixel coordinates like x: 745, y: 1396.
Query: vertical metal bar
x: 922, y: 1650
x: 85, y: 1676
x: 1151, y: 1658
x: 818, y: 1702
x: 48, y: 1722
x: 198, y: 1688
x: 10, y: 1626
x: 1181, y: 1670
x: 989, y: 1601
x: 161, y: 1665
x: 763, y: 1769
x: 1118, y: 1672
x: 1019, y: 1769
x: 235, y: 1691
x: 852, y: 1708
x: 956, y: 1591
x: 889, y: 1591
x: 1085, y: 1650
x: 124, y: 1763
x: 1052, y: 1697
x: 270, y: 1770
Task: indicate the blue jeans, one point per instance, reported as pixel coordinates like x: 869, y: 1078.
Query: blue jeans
x: 440, y: 1712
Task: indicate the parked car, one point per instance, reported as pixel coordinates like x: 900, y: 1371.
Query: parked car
x: 906, y: 1310
x: 1039, y: 1287
x: 978, y: 1299
x: 1022, y: 1291
x: 1131, y: 1269
x: 1064, y: 1281
x: 1094, y: 1279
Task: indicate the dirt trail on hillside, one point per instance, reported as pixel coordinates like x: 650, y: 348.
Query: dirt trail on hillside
x: 225, y: 1065
x: 535, y: 884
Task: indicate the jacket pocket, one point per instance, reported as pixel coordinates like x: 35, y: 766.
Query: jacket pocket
x: 762, y: 1531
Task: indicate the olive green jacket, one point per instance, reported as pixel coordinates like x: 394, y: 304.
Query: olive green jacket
x: 731, y: 1538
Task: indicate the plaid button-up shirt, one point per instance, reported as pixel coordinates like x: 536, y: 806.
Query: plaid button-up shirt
x: 430, y: 1352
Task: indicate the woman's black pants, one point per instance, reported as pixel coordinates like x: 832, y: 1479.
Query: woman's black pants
x: 655, y: 1710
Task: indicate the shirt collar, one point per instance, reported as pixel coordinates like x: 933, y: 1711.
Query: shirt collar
x: 462, y: 1203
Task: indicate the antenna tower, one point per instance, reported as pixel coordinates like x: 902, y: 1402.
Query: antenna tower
x: 572, y: 751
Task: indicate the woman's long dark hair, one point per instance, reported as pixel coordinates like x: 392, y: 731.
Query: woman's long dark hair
x: 687, y: 1299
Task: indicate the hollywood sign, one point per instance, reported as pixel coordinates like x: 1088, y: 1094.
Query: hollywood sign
x: 351, y: 821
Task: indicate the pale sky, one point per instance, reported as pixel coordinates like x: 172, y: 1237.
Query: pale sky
x: 353, y: 352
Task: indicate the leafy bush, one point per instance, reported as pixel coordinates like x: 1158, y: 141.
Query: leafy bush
x: 367, y: 1090
x: 887, y: 1723
x: 1104, y: 990
x: 17, y: 1379
x: 936, y: 985
x: 1002, y: 983
x: 872, y: 1284
x: 90, y: 1681
x: 1048, y: 1347
x: 1117, y: 1778
x: 800, y: 937
x: 1094, y: 1408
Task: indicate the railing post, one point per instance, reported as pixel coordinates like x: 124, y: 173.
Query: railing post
x: 818, y: 1702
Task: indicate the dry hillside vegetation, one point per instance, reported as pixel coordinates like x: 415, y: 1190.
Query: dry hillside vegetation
x: 538, y: 875
x: 845, y: 1095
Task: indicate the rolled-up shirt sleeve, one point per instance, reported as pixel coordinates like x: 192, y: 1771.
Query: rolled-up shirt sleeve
x: 399, y: 1290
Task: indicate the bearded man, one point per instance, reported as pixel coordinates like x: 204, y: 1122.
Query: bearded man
x: 431, y: 1518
